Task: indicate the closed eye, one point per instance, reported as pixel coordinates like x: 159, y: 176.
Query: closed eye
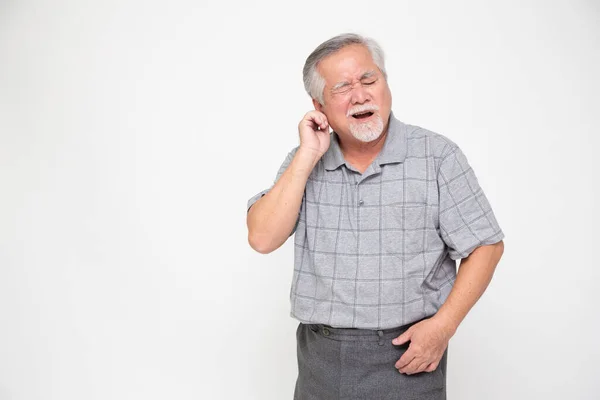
x: 342, y: 90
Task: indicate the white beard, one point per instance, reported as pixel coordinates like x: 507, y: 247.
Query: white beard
x: 367, y: 131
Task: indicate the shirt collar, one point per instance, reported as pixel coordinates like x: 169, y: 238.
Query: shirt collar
x: 394, y: 147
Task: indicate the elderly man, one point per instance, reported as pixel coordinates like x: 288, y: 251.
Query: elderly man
x: 381, y: 211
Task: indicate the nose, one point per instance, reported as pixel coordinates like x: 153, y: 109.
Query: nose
x: 359, y: 94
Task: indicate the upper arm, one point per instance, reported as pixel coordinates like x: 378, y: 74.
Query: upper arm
x: 465, y: 215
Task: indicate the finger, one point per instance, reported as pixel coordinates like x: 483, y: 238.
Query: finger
x: 323, y: 128
x: 422, y: 367
x: 316, y: 115
x: 406, y: 358
x: 317, y: 124
x: 405, y: 337
x: 432, y: 366
x: 319, y: 118
x: 411, y: 368
x: 314, y: 119
x: 321, y: 121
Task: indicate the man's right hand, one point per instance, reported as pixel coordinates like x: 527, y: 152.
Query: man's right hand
x: 273, y: 217
x: 314, y: 133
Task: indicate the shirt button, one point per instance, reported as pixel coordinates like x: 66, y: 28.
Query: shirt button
x: 360, y: 202
x: 326, y: 332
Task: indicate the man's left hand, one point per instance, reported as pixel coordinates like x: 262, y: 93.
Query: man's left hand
x: 428, y: 341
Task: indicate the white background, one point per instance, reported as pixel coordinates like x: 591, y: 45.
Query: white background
x: 133, y: 132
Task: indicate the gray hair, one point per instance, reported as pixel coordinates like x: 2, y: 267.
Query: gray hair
x: 314, y: 83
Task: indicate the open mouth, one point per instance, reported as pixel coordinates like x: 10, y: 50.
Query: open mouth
x: 362, y: 115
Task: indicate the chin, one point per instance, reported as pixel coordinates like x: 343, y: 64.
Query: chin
x: 367, y: 131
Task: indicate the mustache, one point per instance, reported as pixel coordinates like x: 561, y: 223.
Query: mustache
x: 362, y: 108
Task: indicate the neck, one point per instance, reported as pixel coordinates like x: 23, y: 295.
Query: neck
x: 354, y: 149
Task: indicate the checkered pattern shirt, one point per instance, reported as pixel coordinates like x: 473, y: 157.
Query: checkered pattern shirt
x: 378, y: 250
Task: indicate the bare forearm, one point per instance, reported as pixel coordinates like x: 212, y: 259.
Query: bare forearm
x: 474, y: 275
x: 272, y: 218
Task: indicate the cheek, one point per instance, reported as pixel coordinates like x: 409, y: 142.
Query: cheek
x: 378, y: 89
x: 339, y: 113
x: 338, y: 120
x: 380, y: 95
x: 386, y: 96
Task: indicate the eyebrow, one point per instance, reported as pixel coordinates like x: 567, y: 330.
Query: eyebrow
x: 366, y: 75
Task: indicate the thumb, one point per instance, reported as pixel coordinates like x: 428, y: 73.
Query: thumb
x: 405, y: 337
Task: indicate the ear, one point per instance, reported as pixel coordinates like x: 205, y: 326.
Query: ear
x: 317, y: 105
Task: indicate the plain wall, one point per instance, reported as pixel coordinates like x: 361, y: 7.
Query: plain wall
x: 133, y: 132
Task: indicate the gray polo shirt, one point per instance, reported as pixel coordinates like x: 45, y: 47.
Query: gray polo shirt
x: 377, y: 250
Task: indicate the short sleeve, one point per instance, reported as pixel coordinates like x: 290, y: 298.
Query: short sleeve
x: 282, y: 169
x: 465, y: 214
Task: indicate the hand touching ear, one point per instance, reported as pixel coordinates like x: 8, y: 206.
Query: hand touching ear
x: 314, y: 132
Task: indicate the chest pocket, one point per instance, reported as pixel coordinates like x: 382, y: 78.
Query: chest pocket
x: 407, y: 223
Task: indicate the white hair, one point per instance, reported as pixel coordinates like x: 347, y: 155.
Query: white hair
x: 314, y: 83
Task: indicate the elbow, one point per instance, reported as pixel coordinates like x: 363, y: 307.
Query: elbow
x: 260, y: 244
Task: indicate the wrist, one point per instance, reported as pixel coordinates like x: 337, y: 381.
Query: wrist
x: 309, y: 155
x: 450, y: 324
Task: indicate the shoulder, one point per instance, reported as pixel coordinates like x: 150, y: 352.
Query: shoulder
x: 439, y: 145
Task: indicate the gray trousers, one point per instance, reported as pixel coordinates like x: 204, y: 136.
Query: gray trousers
x: 358, y: 364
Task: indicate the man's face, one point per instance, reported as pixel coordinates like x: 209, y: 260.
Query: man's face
x: 354, y: 84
